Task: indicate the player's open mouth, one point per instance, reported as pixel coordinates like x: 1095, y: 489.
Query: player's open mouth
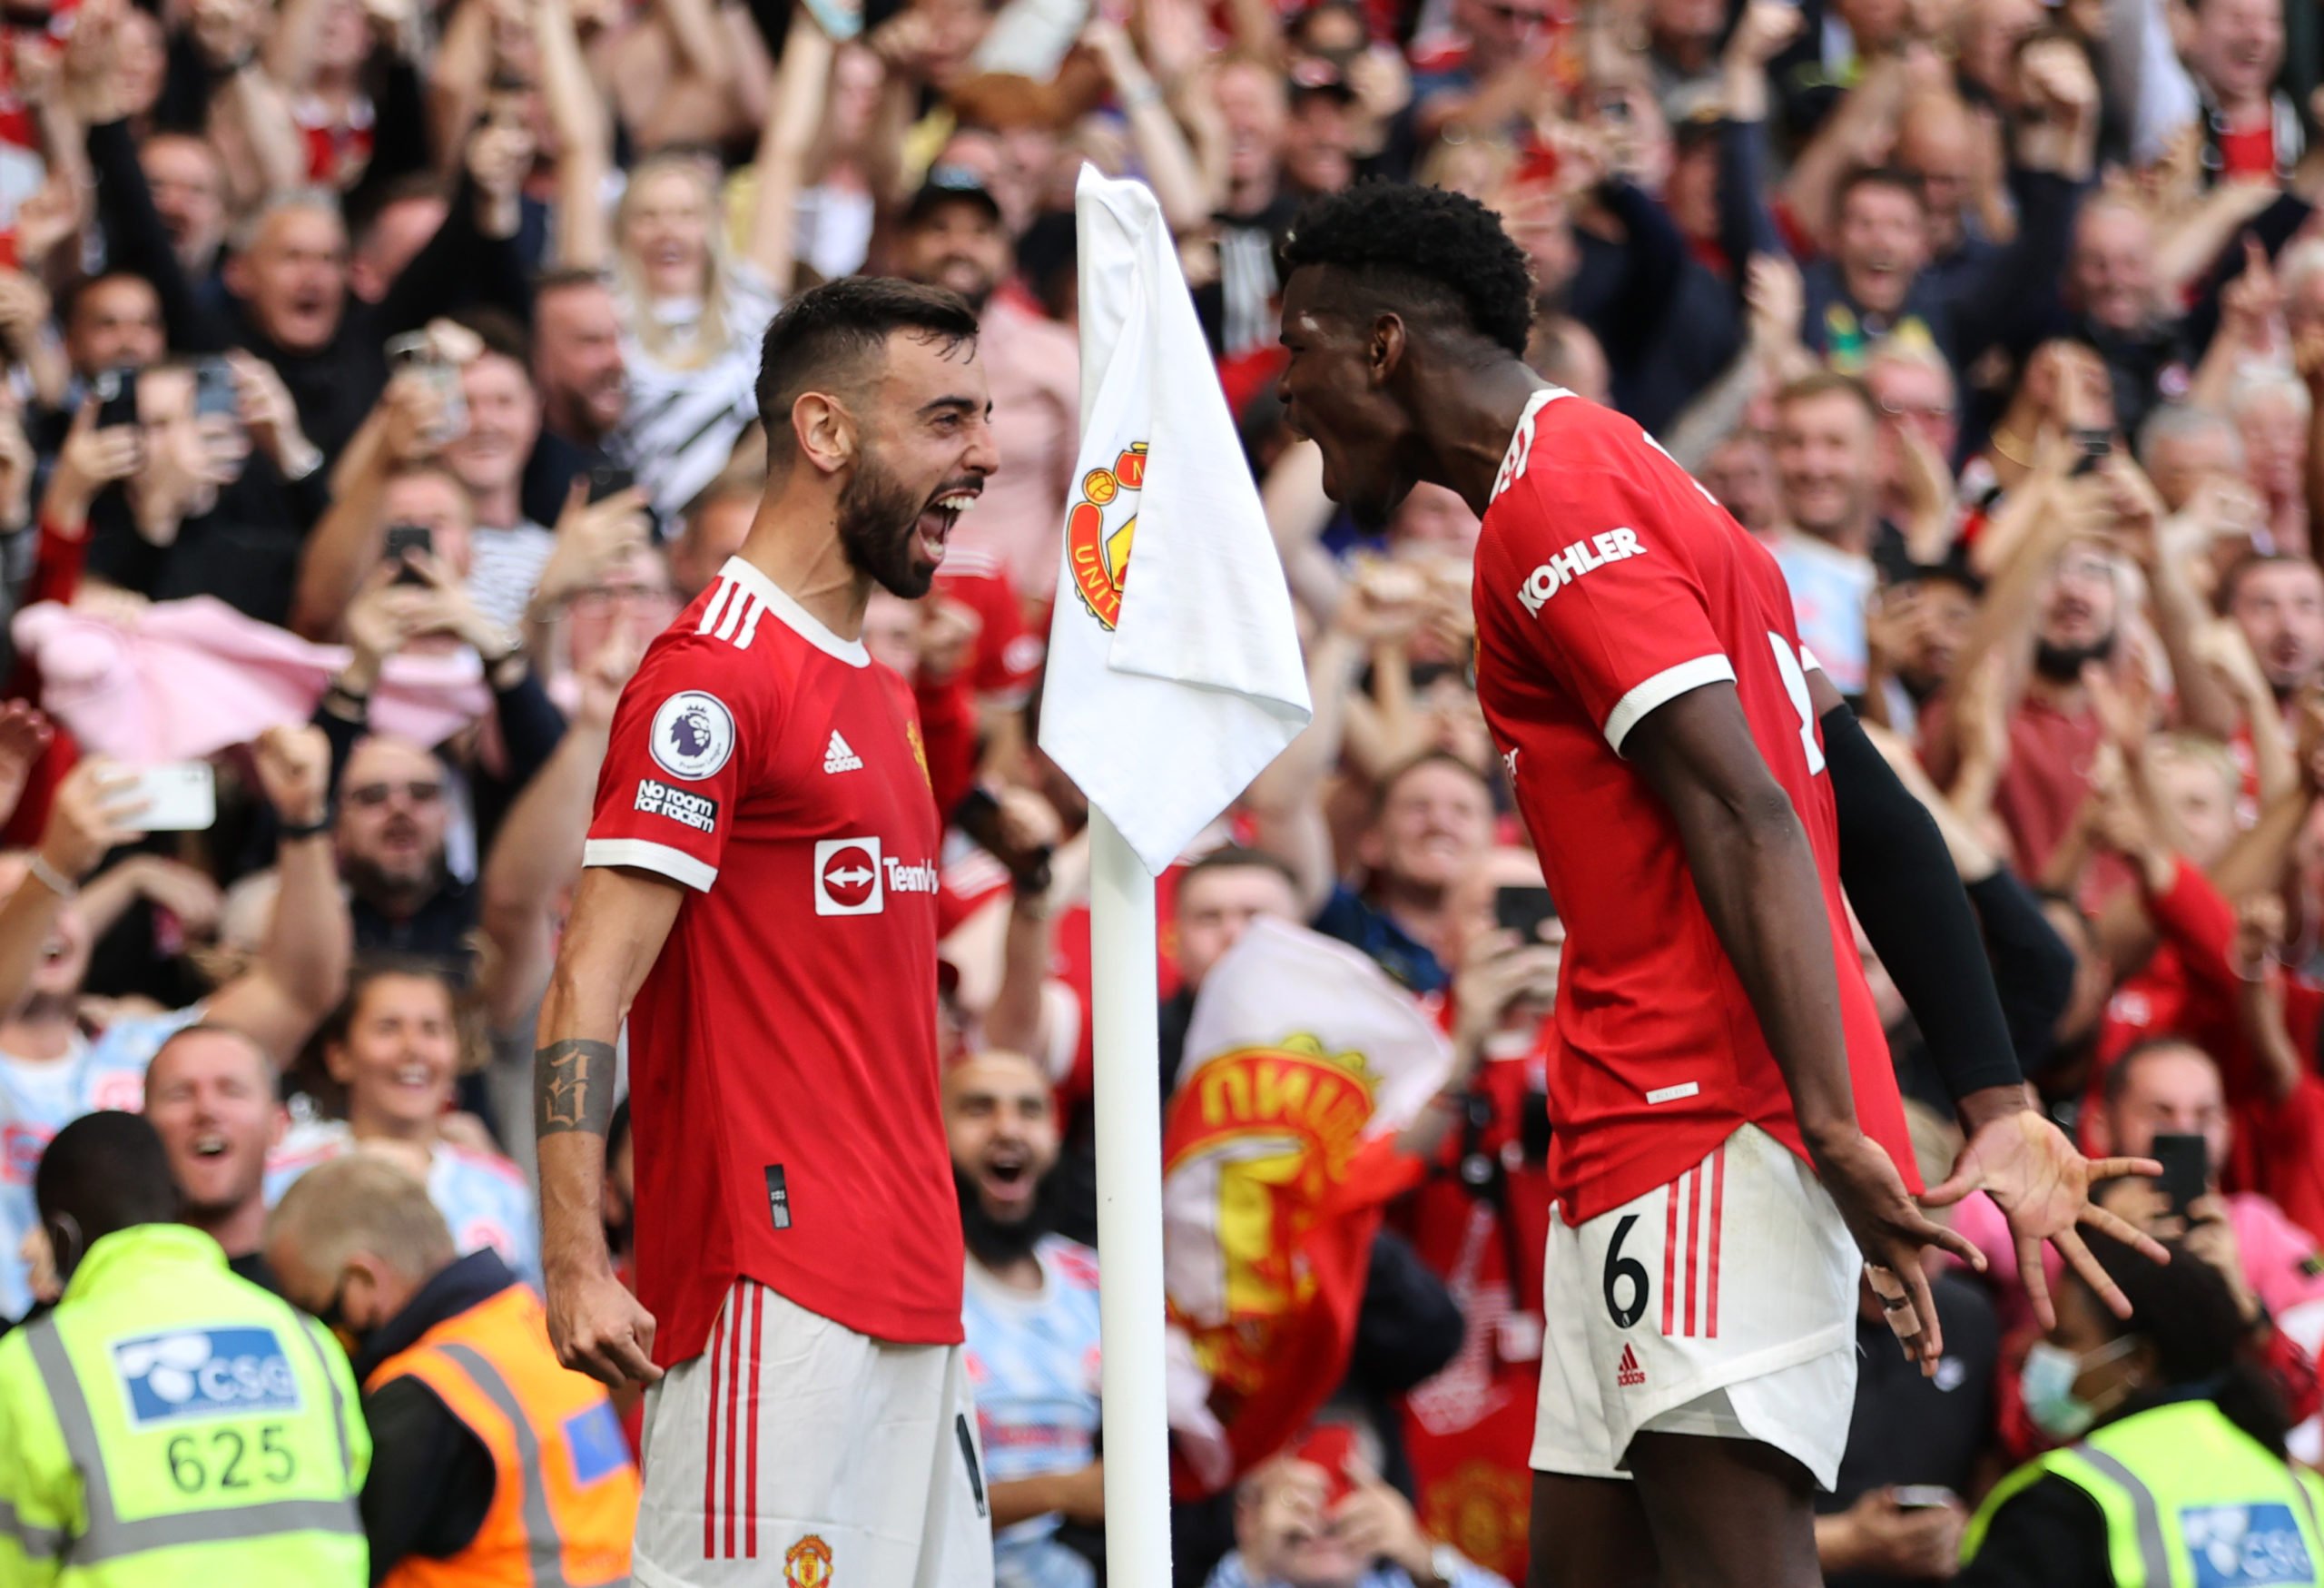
x: 210, y: 1146
x: 936, y: 520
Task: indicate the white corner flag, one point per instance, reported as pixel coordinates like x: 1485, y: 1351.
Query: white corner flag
x: 1168, y: 693
x: 1165, y: 695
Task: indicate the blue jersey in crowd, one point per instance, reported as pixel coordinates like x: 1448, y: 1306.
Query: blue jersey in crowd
x: 40, y: 1097
x: 1033, y: 1363
x: 481, y: 1195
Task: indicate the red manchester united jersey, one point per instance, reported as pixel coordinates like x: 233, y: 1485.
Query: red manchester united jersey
x: 782, y: 1050
x: 1609, y: 583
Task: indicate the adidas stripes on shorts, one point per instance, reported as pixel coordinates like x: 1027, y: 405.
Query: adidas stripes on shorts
x: 1722, y: 1304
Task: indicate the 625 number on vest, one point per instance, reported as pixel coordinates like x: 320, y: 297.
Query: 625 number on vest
x: 226, y: 1459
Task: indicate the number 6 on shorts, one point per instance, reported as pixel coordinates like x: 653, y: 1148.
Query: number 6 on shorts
x: 1620, y: 1268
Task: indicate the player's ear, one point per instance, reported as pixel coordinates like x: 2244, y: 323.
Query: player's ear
x: 1386, y: 350
x: 825, y: 432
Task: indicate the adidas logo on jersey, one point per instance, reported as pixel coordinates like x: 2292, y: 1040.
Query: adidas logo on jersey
x: 838, y: 757
x: 1626, y: 1372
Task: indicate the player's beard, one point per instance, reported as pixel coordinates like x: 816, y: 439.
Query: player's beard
x: 2064, y: 664
x: 879, y: 525
x: 995, y: 1242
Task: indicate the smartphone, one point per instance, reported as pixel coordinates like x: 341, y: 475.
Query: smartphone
x: 413, y: 350
x: 405, y: 537
x: 2094, y: 445
x: 1925, y: 1497
x: 179, y: 796
x: 1521, y: 911
x: 2186, y: 1163
x: 607, y: 479
x: 214, y: 390
x: 116, y: 392
x: 979, y: 816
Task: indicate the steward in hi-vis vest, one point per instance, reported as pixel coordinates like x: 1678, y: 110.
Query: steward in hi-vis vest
x: 168, y: 1422
x: 496, y: 1466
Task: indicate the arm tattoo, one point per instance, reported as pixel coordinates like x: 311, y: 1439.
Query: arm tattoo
x: 573, y: 1088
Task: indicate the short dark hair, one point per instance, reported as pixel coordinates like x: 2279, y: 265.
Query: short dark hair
x: 70, y: 304
x: 1403, y: 769
x: 1830, y: 383
x: 373, y: 968
x: 500, y: 332
x: 2231, y: 583
x: 1890, y: 176
x: 1236, y: 857
x: 211, y: 1028
x: 106, y: 1171
x: 1427, y: 251
x: 567, y: 278
x: 2117, y: 1081
x: 826, y: 331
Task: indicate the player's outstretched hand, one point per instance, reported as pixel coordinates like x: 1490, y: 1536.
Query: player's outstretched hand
x: 1891, y: 1231
x: 2041, y: 1186
x: 598, y: 1328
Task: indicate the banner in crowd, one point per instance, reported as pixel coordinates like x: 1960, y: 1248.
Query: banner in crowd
x: 1302, y: 1061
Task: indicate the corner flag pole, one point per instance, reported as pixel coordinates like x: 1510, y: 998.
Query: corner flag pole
x: 1130, y: 1312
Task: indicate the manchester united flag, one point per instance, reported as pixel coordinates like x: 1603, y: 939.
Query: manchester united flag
x: 1168, y: 692
x: 1302, y: 1061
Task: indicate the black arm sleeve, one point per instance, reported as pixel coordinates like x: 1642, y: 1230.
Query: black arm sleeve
x: 1898, y: 876
x: 430, y: 1482
x: 2033, y: 967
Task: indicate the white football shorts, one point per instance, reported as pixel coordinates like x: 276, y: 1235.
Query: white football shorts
x: 796, y: 1452
x: 1722, y: 1304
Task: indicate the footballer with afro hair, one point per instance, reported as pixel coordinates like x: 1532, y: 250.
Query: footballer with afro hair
x: 1700, y: 797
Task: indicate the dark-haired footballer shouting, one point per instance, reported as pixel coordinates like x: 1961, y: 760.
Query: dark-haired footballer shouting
x: 1730, y: 1153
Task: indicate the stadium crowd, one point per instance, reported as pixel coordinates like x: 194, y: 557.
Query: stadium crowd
x: 379, y: 382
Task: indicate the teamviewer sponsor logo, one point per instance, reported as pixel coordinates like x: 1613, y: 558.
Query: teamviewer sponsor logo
x: 190, y: 1373
x: 847, y: 877
x: 692, y: 810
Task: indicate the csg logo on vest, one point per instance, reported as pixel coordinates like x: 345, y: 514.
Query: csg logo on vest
x: 2244, y: 1547
x: 190, y: 1373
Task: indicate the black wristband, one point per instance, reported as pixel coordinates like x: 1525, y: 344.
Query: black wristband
x: 290, y: 830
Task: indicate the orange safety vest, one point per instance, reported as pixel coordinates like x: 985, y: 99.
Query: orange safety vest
x: 565, y: 1492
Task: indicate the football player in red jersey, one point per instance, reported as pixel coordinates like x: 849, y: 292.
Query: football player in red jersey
x: 759, y: 899
x: 1728, y: 1148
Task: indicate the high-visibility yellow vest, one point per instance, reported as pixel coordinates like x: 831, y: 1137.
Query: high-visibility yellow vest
x: 169, y: 1424
x: 563, y: 1490
x: 2191, y: 1500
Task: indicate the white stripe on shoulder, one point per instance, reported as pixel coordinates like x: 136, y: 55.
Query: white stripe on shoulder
x: 645, y: 854
x: 710, y: 613
x: 736, y: 605
x: 1661, y: 689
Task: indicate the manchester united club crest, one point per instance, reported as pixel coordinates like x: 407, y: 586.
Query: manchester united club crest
x: 807, y: 1564
x: 1099, y: 529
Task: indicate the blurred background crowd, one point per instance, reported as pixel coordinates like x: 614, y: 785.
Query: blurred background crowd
x: 378, y: 382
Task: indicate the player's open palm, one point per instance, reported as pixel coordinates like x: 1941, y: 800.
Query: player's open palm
x: 599, y: 1328
x: 2041, y: 1186
x: 1891, y: 1231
